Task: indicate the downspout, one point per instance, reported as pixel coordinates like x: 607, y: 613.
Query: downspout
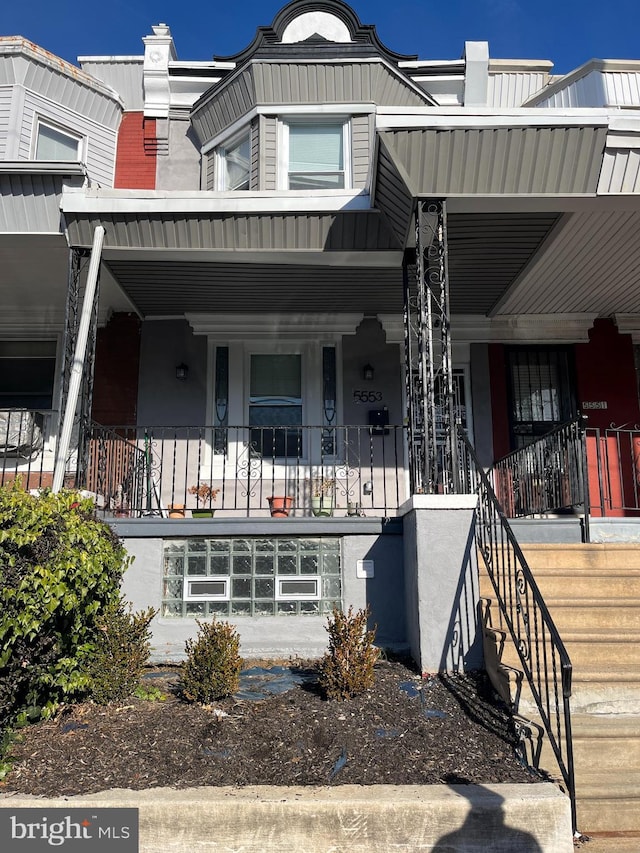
x: 77, y: 366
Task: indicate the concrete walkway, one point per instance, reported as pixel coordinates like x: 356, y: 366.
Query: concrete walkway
x: 343, y: 819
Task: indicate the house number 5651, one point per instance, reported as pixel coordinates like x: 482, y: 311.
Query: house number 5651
x: 360, y: 396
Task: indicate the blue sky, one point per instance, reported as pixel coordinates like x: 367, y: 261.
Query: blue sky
x: 568, y: 32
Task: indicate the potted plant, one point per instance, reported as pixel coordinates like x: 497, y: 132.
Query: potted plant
x: 322, y: 496
x: 119, y: 503
x: 206, y: 495
x: 279, y: 505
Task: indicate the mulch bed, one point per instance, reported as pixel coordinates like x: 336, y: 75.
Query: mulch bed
x: 405, y: 731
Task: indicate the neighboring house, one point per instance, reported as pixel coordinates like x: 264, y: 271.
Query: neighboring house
x: 264, y: 323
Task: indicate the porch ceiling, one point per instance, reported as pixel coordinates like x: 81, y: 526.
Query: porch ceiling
x: 487, y: 252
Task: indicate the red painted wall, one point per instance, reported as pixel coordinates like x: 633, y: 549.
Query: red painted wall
x: 115, y: 387
x: 605, y: 372
x: 499, y: 402
x: 136, y: 153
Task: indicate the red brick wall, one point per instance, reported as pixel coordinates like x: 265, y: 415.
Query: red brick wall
x: 136, y: 153
x: 115, y: 388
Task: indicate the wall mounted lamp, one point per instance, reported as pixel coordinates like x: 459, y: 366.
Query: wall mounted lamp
x: 182, y: 371
x: 367, y: 372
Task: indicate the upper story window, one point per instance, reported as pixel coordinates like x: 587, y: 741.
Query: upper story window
x: 55, y: 144
x: 234, y: 163
x: 316, y: 155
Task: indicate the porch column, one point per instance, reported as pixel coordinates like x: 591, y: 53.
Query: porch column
x: 428, y: 362
x: 80, y: 342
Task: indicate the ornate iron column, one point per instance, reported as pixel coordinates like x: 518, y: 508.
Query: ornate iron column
x: 79, y: 260
x: 428, y: 363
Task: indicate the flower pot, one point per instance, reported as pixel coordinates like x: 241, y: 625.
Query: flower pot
x: 280, y: 506
x: 202, y: 513
x: 322, y: 505
x: 176, y: 510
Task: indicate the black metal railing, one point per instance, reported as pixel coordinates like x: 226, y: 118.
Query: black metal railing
x: 158, y: 471
x: 522, y: 610
x: 23, y: 447
x: 548, y: 475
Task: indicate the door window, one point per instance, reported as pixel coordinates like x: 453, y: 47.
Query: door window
x: 275, y: 405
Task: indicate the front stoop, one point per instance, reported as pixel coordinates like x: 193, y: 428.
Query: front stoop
x: 344, y: 819
x: 593, y: 594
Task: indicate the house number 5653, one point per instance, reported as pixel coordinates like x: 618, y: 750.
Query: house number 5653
x: 360, y: 396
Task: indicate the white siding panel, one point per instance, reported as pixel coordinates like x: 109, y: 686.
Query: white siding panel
x: 622, y: 88
x: 124, y: 77
x: 6, y: 93
x: 620, y: 171
x: 513, y: 89
x: 100, y: 140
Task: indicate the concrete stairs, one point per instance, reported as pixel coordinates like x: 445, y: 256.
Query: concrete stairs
x: 593, y: 594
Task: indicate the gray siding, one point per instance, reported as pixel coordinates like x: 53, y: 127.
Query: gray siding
x: 268, y: 153
x: 125, y: 77
x: 512, y: 89
x: 31, y: 202
x: 254, y: 176
x: 209, y: 163
x: 217, y: 111
x: 265, y: 83
x: 360, y: 150
x: 526, y: 160
x: 392, y: 195
x: 100, y: 140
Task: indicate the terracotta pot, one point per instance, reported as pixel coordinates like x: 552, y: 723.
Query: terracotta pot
x: 280, y: 505
x: 176, y: 510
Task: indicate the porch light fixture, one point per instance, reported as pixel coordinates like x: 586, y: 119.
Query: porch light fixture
x: 182, y: 371
x: 367, y: 488
x: 367, y: 373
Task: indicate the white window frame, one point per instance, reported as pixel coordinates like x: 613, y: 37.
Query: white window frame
x: 187, y: 595
x: 220, y: 155
x: 78, y: 138
x: 281, y: 596
x: 283, y: 148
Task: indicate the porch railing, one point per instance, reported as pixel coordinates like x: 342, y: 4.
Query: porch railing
x: 23, y: 446
x: 548, y: 475
x: 522, y: 610
x: 613, y: 459
x: 155, y: 471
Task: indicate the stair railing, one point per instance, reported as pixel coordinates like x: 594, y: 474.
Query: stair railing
x: 543, y: 656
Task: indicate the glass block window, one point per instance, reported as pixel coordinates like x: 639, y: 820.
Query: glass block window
x: 251, y: 577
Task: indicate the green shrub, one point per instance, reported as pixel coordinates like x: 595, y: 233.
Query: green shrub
x: 212, y: 668
x: 121, y: 651
x: 59, y: 569
x: 347, y: 668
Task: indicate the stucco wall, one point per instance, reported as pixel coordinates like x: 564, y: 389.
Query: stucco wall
x: 163, y: 399
x: 283, y: 636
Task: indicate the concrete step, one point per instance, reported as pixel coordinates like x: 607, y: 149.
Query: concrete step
x: 608, y: 801
x: 607, y: 556
x: 600, y: 742
x: 580, y: 612
x: 584, y: 583
x: 595, y: 649
x: 360, y: 819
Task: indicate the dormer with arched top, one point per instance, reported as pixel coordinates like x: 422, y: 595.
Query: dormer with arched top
x: 297, y: 111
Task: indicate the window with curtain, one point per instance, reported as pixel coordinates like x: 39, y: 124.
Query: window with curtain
x: 316, y: 156
x: 275, y: 405
x: 54, y: 144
